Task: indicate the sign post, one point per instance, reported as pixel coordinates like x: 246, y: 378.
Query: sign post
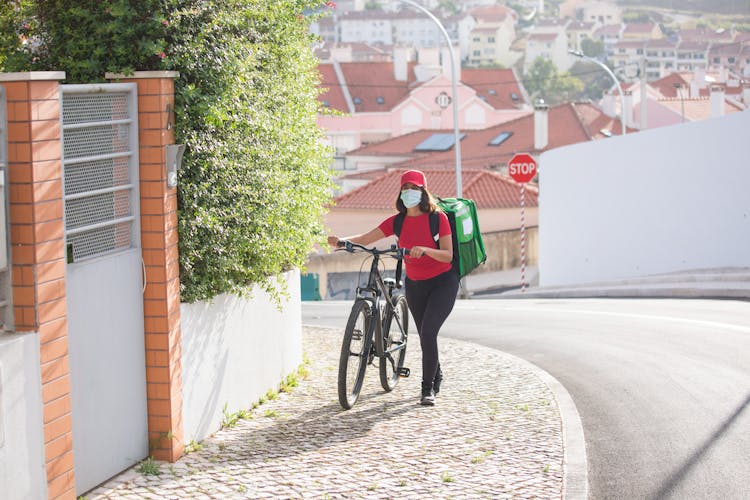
x: 522, y: 168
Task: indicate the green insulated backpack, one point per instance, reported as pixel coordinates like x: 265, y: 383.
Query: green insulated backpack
x: 468, y: 246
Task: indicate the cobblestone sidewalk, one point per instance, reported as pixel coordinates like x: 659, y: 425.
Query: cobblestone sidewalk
x: 494, y: 433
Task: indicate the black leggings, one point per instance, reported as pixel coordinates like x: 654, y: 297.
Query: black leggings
x: 430, y: 302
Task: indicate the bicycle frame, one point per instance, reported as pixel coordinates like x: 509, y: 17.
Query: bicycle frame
x: 375, y: 291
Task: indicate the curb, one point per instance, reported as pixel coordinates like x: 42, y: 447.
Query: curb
x: 575, y: 473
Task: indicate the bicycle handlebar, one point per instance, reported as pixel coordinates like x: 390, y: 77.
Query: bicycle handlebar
x: 394, y: 251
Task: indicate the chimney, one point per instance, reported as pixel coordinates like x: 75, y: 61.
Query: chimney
x: 541, y: 125
x: 400, y: 63
x: 627, y: 107
x: 695, y: 89
x: 341, y: 53
x: 717, y: 101
x: 428, y: 56
x: 699, y: 76
x: 445, y: 59
x: 608, y: 104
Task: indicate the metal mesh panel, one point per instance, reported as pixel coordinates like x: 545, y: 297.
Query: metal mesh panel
x: 91, y: 164
x: 98, y: 107
x: 97, y: 208
x: 99, y: 241
x: 99, y: 174
x: 99, y: 140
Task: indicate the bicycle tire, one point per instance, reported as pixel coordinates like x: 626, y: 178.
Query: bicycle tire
x: 355, y: 351
x: 393, y: 335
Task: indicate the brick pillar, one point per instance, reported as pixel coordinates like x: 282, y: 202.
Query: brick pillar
x: 38, y: 254
x: 161, y: 301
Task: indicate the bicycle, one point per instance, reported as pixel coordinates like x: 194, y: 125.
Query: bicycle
x: 378, y: 326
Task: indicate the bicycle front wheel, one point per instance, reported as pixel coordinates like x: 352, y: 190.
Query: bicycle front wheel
x: 395, y: 333
x: 355, y: 351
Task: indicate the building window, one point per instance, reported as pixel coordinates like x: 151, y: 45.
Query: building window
x: 491, y: 39
x: 476, y: 53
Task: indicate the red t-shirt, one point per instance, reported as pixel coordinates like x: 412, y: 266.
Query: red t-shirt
x: 416, y: 232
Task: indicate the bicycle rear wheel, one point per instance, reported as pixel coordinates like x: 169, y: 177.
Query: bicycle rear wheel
x: 355, y: 350
x: 395, y: 333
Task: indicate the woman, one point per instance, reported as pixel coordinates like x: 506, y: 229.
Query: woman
x: 431, y: 282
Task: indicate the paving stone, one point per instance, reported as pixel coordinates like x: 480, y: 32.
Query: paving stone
x: 495, y: 432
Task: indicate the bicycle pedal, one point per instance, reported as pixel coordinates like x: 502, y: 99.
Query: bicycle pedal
x: 404, y: 372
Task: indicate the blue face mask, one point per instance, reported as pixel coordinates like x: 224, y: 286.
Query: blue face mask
x: 411, y: 197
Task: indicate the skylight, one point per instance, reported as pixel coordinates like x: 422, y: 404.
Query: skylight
x: 501, y: 138
x: 379, y: 99
x: 357, y: 100
x: 438, y: 142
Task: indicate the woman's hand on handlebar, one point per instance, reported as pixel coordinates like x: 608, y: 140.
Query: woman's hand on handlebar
x: 334, y: 241
x: 416, y: 251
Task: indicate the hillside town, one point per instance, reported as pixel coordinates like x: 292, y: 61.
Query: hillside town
x: 386, y: 77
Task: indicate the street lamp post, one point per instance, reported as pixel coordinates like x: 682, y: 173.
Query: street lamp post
x: 457, y: 138
x: 583, y: 56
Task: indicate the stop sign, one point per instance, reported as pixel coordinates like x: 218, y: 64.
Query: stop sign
x: 522, y: 167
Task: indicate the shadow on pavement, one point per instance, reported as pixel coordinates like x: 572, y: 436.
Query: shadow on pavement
x: 677, y: 476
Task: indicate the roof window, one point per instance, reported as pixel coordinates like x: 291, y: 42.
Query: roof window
x: 514, y: 96
x: 380, y: 100
x: 492, y: 92
x: 438, y: 142
x: 501, y: 138
x: 357, y: 100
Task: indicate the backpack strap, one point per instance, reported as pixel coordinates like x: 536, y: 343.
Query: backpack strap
x: 398, y: 223
x: 435, y: 228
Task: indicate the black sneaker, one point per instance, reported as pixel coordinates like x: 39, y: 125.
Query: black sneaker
x: 436, y: 383
x: 428, y: 397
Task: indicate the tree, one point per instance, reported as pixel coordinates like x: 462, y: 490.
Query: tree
x: 543, y: 81
x: 592, y: 48
x: 595, y: 81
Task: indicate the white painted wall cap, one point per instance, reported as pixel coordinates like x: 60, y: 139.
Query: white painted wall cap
x: 32, y: 76
x: 142, y: 74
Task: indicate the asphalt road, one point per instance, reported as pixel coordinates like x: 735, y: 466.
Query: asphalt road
x: 662, y: 386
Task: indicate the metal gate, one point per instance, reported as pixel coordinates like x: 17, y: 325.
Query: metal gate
x: 104, y: 280
x: 6, y: 309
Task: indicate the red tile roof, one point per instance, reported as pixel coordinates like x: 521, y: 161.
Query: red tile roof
x: 639, y: 27
x: 542, y: 37
x: 703, y: 34
x: 366, y: 81
x: 370, y: 80
x: 487, y: 189
x: 609, y: 29
x: 495, y: 86
x: 332, y: 93
x: 568, y: 124
x: 491, y: 13
x: 666, y: 85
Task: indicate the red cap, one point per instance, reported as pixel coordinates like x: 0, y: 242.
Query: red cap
x: 416, y: 177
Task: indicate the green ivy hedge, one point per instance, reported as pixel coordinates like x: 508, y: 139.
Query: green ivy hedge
x: 255, y: 176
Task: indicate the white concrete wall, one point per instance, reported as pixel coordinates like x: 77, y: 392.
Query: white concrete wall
x: 667, y: 199
x: 233, y: 351
x: 22, y: 469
